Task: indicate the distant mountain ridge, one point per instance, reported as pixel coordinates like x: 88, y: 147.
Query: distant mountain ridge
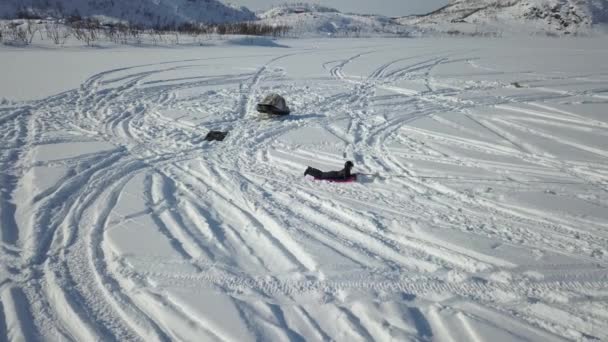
x: 316, y: 20
x: 554, y: 16
x: 561, y: 17
x: 147, y: 12
x: 296, y: 8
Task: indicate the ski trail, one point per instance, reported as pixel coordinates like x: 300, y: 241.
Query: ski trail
x: 97, y: 255
x: 103, y: 282
x: 442, y: 332
x: 162, y: 189
x: 320, y: 333
x: 19, y: 321
x: 356, y: 325
x: 274, y: 232
x: 468, y: 327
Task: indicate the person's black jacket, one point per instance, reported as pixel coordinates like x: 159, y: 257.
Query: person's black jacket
x: 343, y: 174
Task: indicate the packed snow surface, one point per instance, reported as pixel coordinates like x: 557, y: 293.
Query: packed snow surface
x: 480, y: 213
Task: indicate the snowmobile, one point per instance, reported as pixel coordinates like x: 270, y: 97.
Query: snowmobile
x: 273, y: 104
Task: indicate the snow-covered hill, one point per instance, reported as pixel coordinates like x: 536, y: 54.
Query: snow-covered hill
x: 148, y: 12
x: 315, y: 20
x: 552, y: 16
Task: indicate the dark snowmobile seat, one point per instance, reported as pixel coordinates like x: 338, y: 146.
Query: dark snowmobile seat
x: 273, y: 104
x: 216, y: 136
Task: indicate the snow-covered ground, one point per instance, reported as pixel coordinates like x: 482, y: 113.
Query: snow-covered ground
x: 480, y: 213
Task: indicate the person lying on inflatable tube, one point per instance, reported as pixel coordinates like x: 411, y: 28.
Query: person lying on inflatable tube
x: 343, y: 175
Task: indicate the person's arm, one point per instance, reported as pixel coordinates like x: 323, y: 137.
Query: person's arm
x: 342, y: 174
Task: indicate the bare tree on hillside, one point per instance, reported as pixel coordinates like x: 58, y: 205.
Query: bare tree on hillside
x: 86, y: 31
x: 31, y: 28
x: 57, y: 33
x: 15, y: 34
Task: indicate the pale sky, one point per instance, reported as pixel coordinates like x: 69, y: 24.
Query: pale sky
x: 391, y: 8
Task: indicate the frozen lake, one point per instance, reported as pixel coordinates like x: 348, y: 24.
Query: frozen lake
x: 480, y: 211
